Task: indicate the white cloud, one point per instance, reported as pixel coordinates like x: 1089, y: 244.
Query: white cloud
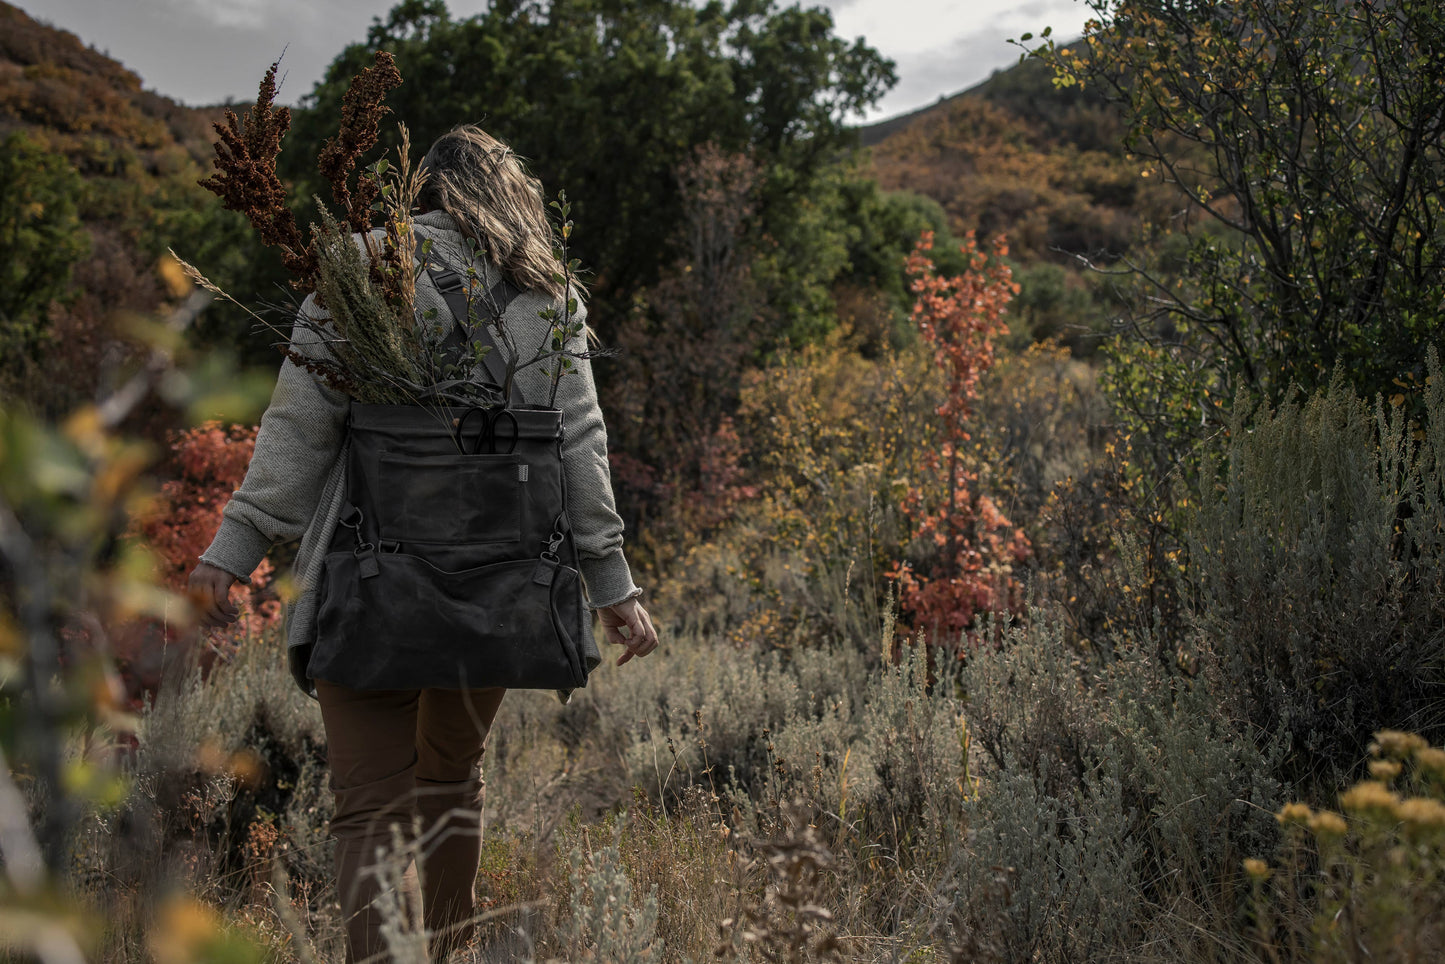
x: 248, y: 14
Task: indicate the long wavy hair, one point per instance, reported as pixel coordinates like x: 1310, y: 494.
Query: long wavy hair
x: 496, y: 201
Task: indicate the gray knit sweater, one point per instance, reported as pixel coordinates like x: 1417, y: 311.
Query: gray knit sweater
x: 296, y: 481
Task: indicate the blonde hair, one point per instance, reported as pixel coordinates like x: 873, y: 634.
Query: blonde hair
x: 497, y: 202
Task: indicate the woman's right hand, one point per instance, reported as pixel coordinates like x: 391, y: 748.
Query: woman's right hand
x: 628, y: 625
x: 210, y: 591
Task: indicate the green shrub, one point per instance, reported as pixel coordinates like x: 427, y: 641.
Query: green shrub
x: 1314, y: 569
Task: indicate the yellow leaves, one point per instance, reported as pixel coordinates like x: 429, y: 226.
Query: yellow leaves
x: 101, y: 784
x: 131, y: 589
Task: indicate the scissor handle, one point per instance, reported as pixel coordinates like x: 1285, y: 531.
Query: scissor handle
x: 488, y: 434
x: 484, y: 436
x: 492, y: 433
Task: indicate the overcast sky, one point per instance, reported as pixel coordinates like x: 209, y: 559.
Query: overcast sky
x: 204, y: 51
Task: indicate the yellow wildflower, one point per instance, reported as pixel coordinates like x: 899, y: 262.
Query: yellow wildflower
x: 1293, y: 813
x: 1327, y: 823
x: 1256, y: 868
x: 1370, y: 795
x: 1421, y: 814
x: 1398, y: 744
x: 1385, y: 770
x: 1431, y: 760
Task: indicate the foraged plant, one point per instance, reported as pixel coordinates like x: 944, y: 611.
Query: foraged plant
x: 246, y: 179
x: 366, y: 336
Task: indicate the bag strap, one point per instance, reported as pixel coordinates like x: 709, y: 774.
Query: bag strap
x: 496, y: 298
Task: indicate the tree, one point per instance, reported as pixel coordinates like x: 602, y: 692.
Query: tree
x: 609, y: 98
x: 41, y: 238
x: 971, y: 545
x: 1307, y: 140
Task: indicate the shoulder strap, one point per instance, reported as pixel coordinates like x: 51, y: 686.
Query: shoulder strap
x: 495, y: 299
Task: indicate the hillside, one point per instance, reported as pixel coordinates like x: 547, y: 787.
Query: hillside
x: 103, y: 176
x: 1016, y: 155
x: 1042, y: 166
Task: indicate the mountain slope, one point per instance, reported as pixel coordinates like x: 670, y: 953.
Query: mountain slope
x: 1017, y: 156
x: 138, y: 156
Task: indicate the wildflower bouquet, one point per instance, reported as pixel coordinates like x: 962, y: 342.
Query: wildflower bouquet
x: 362, y: 259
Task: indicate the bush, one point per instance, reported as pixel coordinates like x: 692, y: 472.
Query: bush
x: 1314, y: 573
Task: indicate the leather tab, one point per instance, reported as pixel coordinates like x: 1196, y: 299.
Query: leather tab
x: 545, y: 572
x: 368, y: 565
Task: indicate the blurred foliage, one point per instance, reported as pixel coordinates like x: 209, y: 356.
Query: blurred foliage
x: 71, y: 583
x: 41, y: 238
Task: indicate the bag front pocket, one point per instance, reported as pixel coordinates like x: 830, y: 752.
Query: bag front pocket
x: 414, y: 625
x: 450, y: 500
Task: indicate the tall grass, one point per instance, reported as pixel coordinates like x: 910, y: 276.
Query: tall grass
x: 861, y: 796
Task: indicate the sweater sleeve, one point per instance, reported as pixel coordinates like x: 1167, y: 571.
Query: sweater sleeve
x: 596, y: 526
x: 300, y: 436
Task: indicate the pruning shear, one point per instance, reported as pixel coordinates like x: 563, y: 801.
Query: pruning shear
x: 488, y: 436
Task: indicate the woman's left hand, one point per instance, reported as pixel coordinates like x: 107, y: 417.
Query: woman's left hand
x: 640, y: 638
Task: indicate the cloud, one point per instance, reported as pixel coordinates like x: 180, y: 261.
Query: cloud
x: 247, y: 14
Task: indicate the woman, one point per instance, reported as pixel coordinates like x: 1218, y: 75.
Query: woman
x: 399, y: 754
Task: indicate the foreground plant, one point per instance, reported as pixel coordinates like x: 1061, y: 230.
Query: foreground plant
x: 1363, y: 882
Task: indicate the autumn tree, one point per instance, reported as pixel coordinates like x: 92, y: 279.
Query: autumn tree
x: 970, y: 545
x: 1306, y: 139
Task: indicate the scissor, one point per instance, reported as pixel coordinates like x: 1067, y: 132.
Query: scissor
x: 488, y: 434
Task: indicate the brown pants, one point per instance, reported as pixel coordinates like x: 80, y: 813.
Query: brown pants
x: 407, y: 758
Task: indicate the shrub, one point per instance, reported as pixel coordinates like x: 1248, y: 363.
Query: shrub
x: 1314, y: 572
x: 1113, y: 788
x: 969, y: 545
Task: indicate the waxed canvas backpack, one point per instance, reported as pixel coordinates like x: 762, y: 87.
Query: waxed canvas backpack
x: 453, y: 563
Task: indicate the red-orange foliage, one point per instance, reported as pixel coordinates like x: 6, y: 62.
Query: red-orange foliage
x: 974, y: 545
x: 210, y: 462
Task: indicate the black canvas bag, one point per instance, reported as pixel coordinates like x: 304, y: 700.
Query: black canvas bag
x: 453, y: 564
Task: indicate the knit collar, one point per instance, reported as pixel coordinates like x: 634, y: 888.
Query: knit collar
x: 437, y: 221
